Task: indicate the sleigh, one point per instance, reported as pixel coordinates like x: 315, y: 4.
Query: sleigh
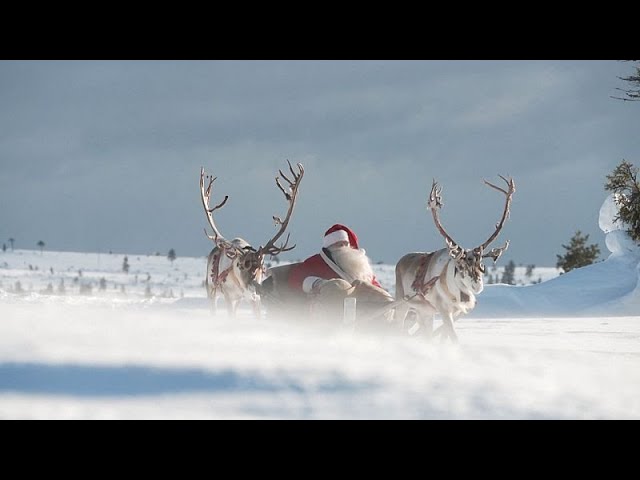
x: 360, y: 305
x: 457, y: 272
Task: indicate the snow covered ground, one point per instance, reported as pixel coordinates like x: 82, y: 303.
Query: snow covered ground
x: 144, y: 345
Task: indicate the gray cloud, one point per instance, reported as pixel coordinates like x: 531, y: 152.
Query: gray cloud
x: 105, y: 155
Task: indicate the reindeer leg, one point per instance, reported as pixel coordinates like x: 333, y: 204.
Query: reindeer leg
x: 449, y: 330
x: 400, y: 316
x: 438, y: 331
x: 453, y: 335
x: 213, y: 304
x: 234, y: 308
x: 442, y: 330
x: 231, y: 305
x: 256, y: 308
x: 428, y: 331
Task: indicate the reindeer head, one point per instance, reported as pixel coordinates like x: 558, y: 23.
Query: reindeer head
x: 248, y: 261
x: 468, y: 262
x: 252, y: 264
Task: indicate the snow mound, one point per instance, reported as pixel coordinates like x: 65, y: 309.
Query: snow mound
x: 617, y: 240
x: 608, y: 287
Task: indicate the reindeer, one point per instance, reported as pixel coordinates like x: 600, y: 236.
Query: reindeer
x: 234, y: 267
x: 445, y: 281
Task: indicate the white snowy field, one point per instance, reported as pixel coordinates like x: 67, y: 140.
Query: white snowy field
x: 146, y: 346
x: 105, y: 354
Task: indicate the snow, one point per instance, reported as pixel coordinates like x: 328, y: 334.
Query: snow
x: 148, y: 347
x: 608, y: 287
x: 617, y: 241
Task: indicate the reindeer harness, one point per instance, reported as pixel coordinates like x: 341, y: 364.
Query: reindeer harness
x: 218, y: 277
x: 419, y: 286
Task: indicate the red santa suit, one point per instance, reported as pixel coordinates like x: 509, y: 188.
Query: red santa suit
x: 322, y: 266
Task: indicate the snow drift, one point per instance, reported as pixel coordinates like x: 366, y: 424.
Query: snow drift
x: 608, y: 287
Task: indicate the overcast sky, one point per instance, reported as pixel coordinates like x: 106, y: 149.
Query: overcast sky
x: 106, y: 155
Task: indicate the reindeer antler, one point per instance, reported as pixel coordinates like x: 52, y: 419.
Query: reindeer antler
x: 205, y: 195
x: 505, y: 214
x: 496, y: 252
x: 291, y: 195
x: 434, y: 204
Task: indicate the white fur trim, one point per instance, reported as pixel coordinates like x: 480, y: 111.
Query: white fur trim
x: 307, y: 283
x: 333, y: 237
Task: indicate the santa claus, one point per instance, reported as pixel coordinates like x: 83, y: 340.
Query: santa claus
x: 340, y: 258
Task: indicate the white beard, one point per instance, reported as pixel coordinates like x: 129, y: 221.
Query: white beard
x: 353, y: 262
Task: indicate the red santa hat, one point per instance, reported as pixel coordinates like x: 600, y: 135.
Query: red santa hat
x: 339, y: 233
